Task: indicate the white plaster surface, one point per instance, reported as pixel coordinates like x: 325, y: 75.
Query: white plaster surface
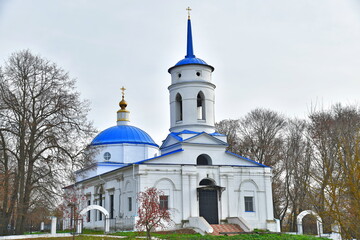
x: 175, y: 171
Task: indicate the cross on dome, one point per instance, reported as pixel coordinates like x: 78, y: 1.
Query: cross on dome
x: 123, y: 91
x: 188, y: 9
x: 190, y: 57
x: 123, y: 103
x: 123, y: 113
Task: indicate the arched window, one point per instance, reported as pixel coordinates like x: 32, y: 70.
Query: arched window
x: 178, y: 108
x: 201, y: 106
x: 203, y: 159
x: 100, y: 201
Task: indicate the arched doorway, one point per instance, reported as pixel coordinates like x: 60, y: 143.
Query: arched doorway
x: 95, y: 207
x: 300, y: 217
x: 208, y: 196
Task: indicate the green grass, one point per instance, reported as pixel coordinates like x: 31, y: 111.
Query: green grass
x: 135, y: 235
x: 76, y: 237
x: 85, y: 231
x: 255, y: 236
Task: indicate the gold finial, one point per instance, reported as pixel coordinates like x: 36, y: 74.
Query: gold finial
x: 123, y: 103
x: 188, y: 9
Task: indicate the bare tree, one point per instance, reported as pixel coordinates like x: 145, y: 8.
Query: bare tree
x: 316, y: 163
x: 260, y: 136
x: 297, y: 156
x: 335, y: 168
x: 230, y: 128
x: 43, y: 132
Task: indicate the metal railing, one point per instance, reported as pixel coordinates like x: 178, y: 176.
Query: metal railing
x: 122, y: 224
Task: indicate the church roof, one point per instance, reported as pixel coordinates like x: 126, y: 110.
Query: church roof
x: 193, y: 60
x: 190, y: 58
x: 123, y: 134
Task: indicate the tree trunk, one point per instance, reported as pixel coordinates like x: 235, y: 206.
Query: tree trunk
x: 148, y: 235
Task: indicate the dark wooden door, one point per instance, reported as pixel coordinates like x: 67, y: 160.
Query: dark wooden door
x: 208, y: 205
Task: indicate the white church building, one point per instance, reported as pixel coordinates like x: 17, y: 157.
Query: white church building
x: 202, y: 182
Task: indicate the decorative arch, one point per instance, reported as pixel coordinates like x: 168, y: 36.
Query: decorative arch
x: 248, y: 181
x: 209, y: 195
x: 300, y: 217
x: 100, y: 200
x: 165, y: 180
x: 178, y: 107
x: 99, y: 189
x: 95, y: 207
x: 207, y: 182
x: 167, y: 187
x: 200, y: 103
x: 128, y: 186
x: 248, y: 197
x: 203, y: 159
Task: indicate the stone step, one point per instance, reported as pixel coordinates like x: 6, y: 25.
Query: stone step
x: 225, y: 228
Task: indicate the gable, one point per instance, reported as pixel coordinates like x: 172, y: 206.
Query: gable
x: 171, y: 139
x: 204, y: 138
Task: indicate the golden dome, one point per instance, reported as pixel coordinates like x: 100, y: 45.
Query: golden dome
x: 123, y: 104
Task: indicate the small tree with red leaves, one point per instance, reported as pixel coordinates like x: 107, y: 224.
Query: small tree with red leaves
x: 151, y: 214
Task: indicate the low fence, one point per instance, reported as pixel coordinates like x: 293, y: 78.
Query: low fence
x: 122, y: 224
x: 115, y: 224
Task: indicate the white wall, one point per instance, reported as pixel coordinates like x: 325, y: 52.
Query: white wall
x: 189, y: 85
x: 180, y: 182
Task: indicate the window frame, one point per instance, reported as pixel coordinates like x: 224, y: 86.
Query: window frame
x: 164, y: 202
x: 88, y: 217
x: 249, y: 205
x: 178, y: 107
x: 200, y: 106
x: 130, y: 204
x: 100, y: 204
x: 111, y: 213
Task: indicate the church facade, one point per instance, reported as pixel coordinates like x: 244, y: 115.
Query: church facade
x: 202, y: 182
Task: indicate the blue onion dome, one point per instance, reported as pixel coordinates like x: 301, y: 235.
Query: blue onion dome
x: 123, y: 134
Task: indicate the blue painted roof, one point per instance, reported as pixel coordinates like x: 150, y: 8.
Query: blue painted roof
x: 247, y: 159
x: 123, y: 134
x: 190, y: 58
x: 193, y: 60
x: 176, y: 135
x: 193, y: 132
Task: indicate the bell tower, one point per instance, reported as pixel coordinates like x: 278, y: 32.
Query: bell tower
x: 192, y: 93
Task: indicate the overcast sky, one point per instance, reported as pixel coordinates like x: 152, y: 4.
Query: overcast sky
x: 286, y: 55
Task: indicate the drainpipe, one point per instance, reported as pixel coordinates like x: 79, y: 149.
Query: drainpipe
x: 136, y: 191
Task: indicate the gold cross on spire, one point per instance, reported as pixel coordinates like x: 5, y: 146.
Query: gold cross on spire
x: 123, y: 91
x: 188, y: 9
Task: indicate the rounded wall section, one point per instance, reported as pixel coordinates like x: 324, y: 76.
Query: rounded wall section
x: 173, y: 197
x: 249, y: 206
x: 191, y: 73
x: 125, y: 153
x: 189, y: 92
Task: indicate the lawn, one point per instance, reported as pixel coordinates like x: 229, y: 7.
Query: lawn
x: 136, y: 235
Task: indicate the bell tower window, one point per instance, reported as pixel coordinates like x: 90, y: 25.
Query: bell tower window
x: 201, y: 106
x: 178, y: 108
x: 203, y: 159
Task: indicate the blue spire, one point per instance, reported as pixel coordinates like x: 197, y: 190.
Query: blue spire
x: 190, y: 57
x: 189, y: 50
